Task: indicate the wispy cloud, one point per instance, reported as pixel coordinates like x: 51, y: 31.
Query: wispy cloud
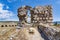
x: 5, y: 14
x: 11, y: 19
x: 56, y: 19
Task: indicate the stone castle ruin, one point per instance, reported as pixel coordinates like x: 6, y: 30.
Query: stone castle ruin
x: 37, y: 27
x: 38, y: 14
x: 41, y: 19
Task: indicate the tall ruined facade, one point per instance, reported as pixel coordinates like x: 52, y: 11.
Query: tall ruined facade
x: 39, y: 14
x: 42, y: 14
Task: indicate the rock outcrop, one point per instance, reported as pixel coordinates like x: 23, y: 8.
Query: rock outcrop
x: 51, y: 33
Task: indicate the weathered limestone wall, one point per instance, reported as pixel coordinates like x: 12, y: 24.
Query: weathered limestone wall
x: 39, y: 14
x: 42, y: 14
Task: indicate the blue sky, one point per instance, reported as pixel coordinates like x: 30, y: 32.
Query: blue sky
x: 8, y: 8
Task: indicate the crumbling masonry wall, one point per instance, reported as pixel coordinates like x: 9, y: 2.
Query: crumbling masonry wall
x: 39, y: 14
x: 42, y: 14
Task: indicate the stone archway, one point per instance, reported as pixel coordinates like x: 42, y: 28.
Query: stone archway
x: 2, y: 25
x: 23, y: 14
x: 6, y: 26
x: 9, y: 25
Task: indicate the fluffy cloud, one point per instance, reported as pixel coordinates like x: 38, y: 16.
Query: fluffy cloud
x: 5, y: 14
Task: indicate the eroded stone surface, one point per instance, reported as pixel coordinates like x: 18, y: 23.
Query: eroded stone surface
x: 51, y: 33
x: 29, y: 34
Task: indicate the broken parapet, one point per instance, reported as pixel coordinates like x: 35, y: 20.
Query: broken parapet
x: 51, y: 33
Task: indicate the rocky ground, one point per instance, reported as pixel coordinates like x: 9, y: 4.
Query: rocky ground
x: 29, y: 33
x: 53, y: 33
x: 20, y: 34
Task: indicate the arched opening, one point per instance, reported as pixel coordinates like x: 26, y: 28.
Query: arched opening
x: 15, y: 25
x: 2, y: 25
x: 12, y: 25
x: 9, y: 25
x: 6, y: 26
x: 28, y: 16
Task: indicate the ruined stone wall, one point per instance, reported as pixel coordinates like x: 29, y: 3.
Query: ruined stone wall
x: 42, y: 14
x: 39, y: 14
x: 22, y: 15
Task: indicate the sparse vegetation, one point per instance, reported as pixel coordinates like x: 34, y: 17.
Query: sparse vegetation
x: 56, y: 24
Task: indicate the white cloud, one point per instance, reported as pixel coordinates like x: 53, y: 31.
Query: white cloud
x: 10, y: 19
x: 56, y: 18
x: 1, y: 6
x: 5, y: 14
